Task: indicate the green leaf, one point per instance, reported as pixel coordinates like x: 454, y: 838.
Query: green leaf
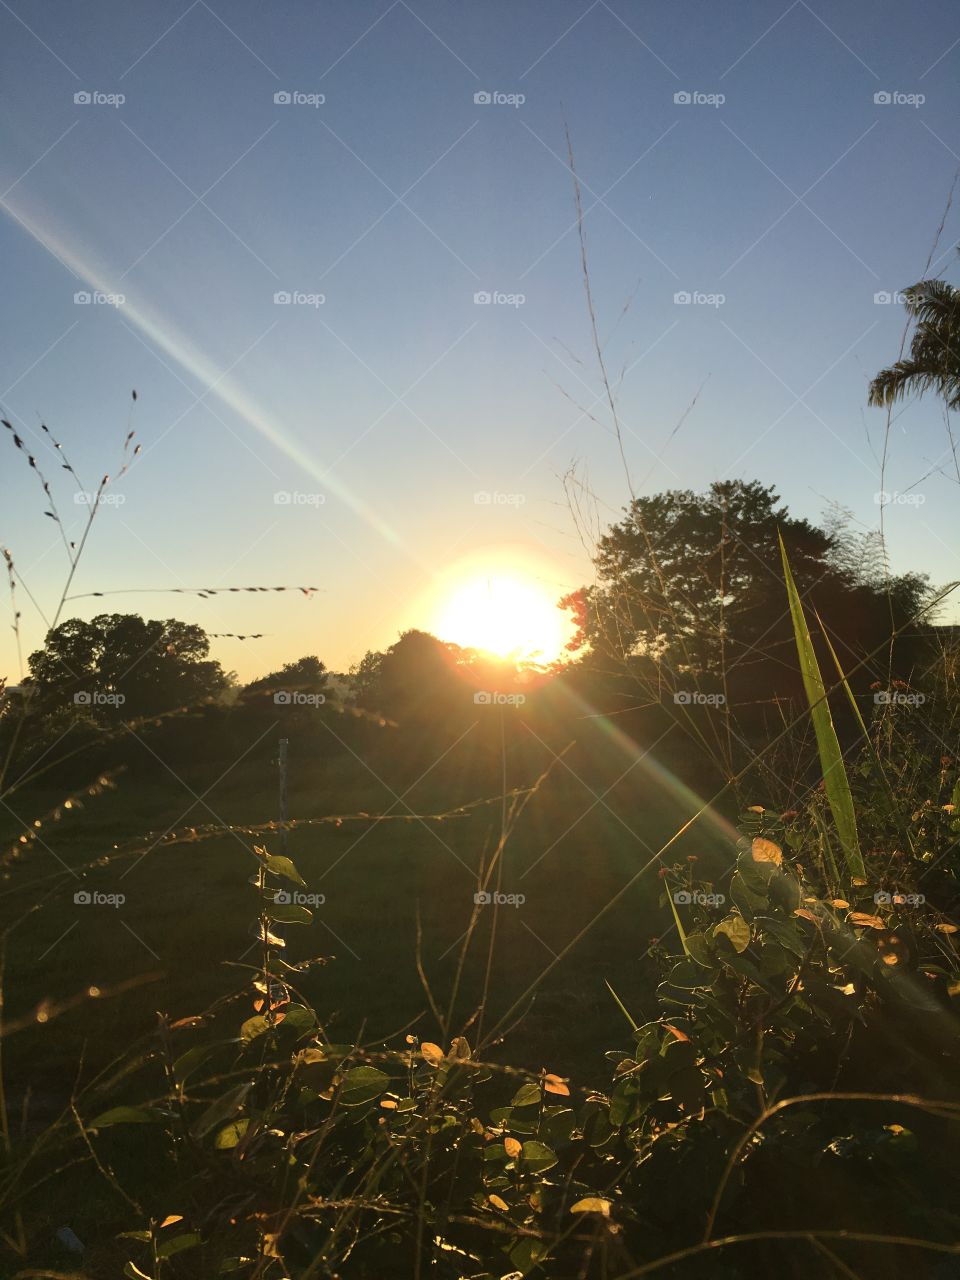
x: 298, y: 1019
x: 621, y: 1006
x: 177, y: 1245
x: 736, y: 929
x: 537, y: 1157
x: 527, y: 1095
x: 230, y: 1135
x: 688, y: 974
x: 362, y: 1085
x: 221, y: 1109
x: 835, y: 778
x: 254, y: 1027
x: 289, y: 913
x: 126, y: 1115
x: 188, y: 1062
x: 281, y: 866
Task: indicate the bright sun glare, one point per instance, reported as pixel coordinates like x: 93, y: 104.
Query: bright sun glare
x: 504, y: 615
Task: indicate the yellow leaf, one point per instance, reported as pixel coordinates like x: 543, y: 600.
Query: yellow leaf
x: 170, y: 1219
x: 674, y: 1031
x: 432, y: 1053
x: 512, y: 1147
x: 459, y: 1048
x: 553, y: 1084
x: 766, y: 851
x: 946, y: 928
x: 840, y: 903
x: 498, y: 1203
x: 804, y: 914
x: 592, y: 1204
x: 388, y: 1104
x: 755, y: 808
x: 859, y: 881
x: 863, y: 921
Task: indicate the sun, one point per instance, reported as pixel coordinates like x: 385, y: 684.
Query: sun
x: 506, y: 615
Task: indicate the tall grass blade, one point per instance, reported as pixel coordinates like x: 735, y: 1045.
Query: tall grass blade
x: 835, y: 778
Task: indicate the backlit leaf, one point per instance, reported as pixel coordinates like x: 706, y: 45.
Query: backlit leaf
x: 592, y: 1204
x: 431, y: 1053
x: 766, y: 851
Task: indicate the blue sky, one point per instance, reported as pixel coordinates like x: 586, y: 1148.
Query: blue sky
x: 385, y: 408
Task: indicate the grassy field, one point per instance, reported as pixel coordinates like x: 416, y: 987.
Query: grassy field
x: 189, y: 906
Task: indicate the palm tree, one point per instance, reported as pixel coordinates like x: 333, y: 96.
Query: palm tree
x: 934, y: 360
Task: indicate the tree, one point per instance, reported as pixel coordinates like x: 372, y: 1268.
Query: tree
x: 306, y: 675
x: 934, y: 360
x: 691, y: 585
x: 119, y: 666
x: 414, y: 682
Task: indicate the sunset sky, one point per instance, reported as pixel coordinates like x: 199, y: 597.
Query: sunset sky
x: 384, y: 436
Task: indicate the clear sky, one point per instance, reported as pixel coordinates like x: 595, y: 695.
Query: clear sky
x: 781, y: 187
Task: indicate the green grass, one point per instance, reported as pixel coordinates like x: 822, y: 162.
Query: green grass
x: 189, y: 906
